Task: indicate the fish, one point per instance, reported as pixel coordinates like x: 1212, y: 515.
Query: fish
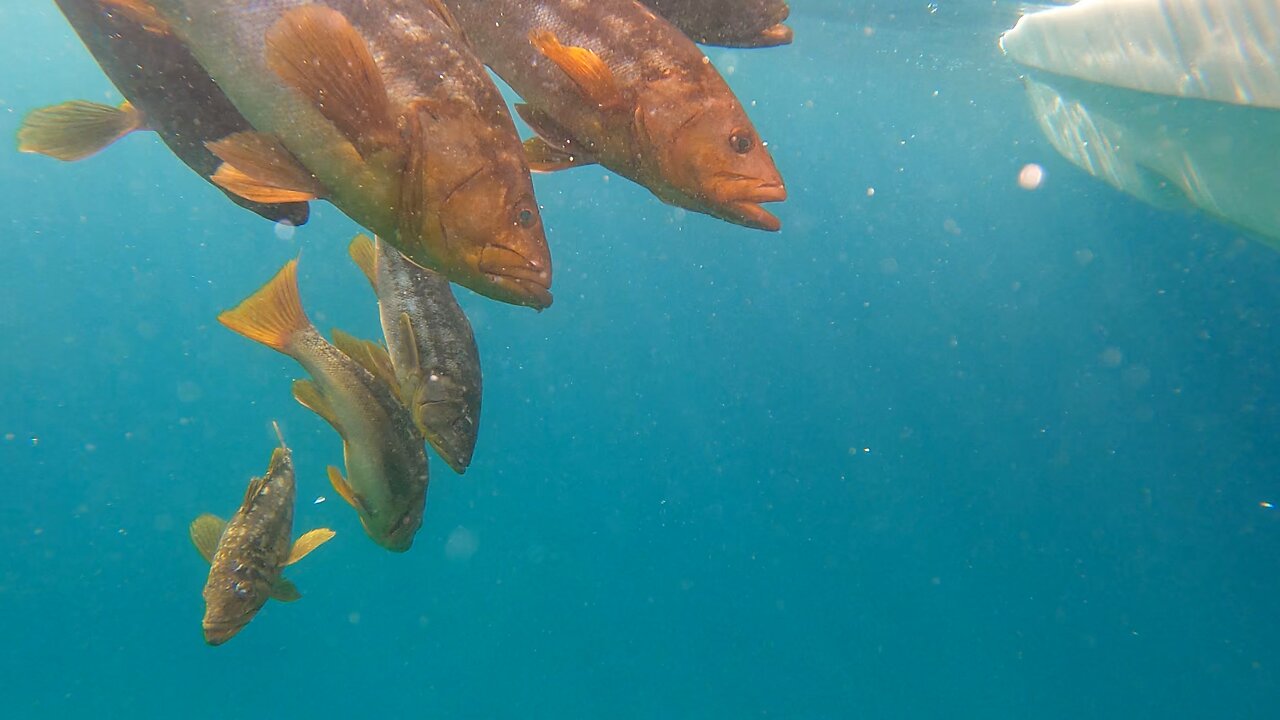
x: 611, y: 82
x: 432, y: 348
x: 166, y: 91
x: 383, y: 451
x: 728, y: 23
x: 247, y: 555
x: 391, y: 117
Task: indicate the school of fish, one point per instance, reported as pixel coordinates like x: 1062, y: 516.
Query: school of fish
x: 385, y: 109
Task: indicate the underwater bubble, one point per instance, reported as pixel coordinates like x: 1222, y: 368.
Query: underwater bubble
x: 1030, y: 177
x: 461, y: 545
x: 189, y: 392
x: 285, y: 230
x: 1111, y: 357
x: 1084, y: 256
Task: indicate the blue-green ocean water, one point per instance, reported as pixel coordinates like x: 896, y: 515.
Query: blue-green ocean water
x: 952, y: 449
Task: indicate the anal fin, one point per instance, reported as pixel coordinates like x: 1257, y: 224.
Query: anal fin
x: 370, y: 356
x: 542, y: 157
x: 308, y: 394
x: 77, y: 129
x: 255, y: 166
x: 318, y: 52
x: 205, y: 532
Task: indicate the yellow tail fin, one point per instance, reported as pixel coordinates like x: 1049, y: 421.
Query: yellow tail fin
x: 272, y: 315
x: 77, y: 129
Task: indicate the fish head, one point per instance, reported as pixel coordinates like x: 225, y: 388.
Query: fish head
x: 708, y: 155
x: 229, y: 605
x: 743, y: 23
x: 487, y: 232
x: 444, y: 411
x: 393, y: 517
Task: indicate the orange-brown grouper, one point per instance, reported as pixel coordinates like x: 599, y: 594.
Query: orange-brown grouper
x: 165, y: 89
x: 248, y: 554
x: 608, y: 81
x: 393, y: 119
x: 730, y: 23
x: 431, y: 346
x: 386, y: 463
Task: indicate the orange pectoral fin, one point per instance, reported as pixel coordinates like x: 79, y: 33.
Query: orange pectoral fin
x: 140, y: 12
x: 319, y: 53
x: 583, y: 66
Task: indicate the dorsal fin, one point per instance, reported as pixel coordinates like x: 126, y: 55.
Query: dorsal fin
x: 255, y: 485
x: 206, y: 532
x: 587, y: 70
x: 370, y: 356
x: 308, y: 394
x: 365, y: 256
x: 318, y: 52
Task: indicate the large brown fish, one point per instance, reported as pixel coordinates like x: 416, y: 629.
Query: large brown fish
x: 431, y: 346
x: 608, y: 81
x: 248, y: 554
x: 730, y: 23
x: 166, y: 91
x: 386, y: 479
x: 393, y: 119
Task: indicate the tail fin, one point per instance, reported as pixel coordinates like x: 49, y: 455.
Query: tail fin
x: 273, y: 315
x: 77, y: 129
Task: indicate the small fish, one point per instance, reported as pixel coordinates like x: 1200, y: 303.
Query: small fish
x: 729, y: 23
x: 166, y: 91
x: 392, y: 119
x: 247, y: 555
x: 386, y: 479
x: 610, y: 82
x: 432, y: 348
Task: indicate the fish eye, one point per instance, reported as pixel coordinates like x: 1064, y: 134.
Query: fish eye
x: 741, y: 141
x: 526, y: 218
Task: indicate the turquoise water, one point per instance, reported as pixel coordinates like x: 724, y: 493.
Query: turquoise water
x: 947, y: 449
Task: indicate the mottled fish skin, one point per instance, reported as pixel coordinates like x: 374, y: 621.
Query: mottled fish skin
x: 157, y: 73
x: 252, y: 551
x: 674, y: 122
x: 482, y: 226
x: 728, y: 23
x: 382, y: 447
x: 440, y: 360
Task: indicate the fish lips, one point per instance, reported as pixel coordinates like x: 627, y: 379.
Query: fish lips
x: 779, y: 34
x: 520, y: 280
x: 216, y: 633
x: 741, y: 203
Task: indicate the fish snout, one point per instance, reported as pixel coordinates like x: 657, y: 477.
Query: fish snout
x: 742, y: 198
x: 779, y: 34
x: 520, y: 280
x: 216, y: 633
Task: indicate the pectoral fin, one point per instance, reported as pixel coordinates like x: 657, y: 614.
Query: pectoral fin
x: 365, y: 257
x: 319, y: 53
x: 284, y: 591
x: 308, y: 542
x: 205, y: 532
x: 257, y: 167
x: 583, y: 66
x: 77, y: 129
x: 370, y: 356
x: 343, y: 488
x: 542, y: 157
x: 308, y: 394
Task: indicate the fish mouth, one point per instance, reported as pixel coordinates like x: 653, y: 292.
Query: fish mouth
x: 518, y: 279
x: 217, y: 633
x: 743, y: 198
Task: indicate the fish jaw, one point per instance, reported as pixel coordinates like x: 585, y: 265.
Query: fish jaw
x: 514, y: 278
x: 779, y: 34
x: 738, y: 200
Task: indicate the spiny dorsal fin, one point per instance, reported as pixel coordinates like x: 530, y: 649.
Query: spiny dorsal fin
x: 584, y: 67
x: 308, y: 394
x: 205, y: 532
x: 370, y: 356
x: 309, y: 541
x: 77, y: 129
x: 542, y: 157
x: 365, y: 257
x: 255, y: 486
x: 284, y: 591
x: 257, y: 167
x: 319, y: 53
x: 273, y: 314
x: 141, y: 13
